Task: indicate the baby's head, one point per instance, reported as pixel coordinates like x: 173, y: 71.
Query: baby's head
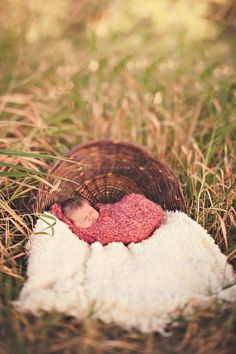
x: 80, y: 212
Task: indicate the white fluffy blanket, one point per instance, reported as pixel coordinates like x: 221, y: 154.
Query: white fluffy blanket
x: 146, y: 285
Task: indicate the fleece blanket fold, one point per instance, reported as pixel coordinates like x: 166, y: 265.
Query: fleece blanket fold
x: 145, y: 285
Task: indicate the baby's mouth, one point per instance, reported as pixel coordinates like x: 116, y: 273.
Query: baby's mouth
x: 92, y: 220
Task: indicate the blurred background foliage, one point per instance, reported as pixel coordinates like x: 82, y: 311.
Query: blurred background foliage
x: 223, y: 13
x: 38, y: 19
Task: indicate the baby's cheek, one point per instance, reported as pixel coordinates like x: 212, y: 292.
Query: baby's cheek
x: 77, y: 223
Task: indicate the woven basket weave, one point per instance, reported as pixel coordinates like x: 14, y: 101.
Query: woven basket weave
x: 106, y: 171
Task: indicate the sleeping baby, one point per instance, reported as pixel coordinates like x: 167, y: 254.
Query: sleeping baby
x: 132, y: 219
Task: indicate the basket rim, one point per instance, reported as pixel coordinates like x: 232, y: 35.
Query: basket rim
x: 97, y: 142
x: 139, y: 148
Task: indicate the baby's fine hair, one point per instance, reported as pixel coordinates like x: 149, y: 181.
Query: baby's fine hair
x: 71, y: 204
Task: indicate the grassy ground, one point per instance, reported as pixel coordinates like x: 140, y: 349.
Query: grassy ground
x: 151, y: 73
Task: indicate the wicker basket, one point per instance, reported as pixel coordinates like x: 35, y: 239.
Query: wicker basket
x: 106, y: 171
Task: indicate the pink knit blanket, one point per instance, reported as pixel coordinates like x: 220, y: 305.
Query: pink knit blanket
x: 133, y: 219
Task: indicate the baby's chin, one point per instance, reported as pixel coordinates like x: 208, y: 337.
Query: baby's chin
x: 85, y: 226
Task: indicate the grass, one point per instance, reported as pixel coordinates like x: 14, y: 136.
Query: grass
x: 125, y: 71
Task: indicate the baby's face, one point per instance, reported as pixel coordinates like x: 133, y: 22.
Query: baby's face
x: 84, y: 216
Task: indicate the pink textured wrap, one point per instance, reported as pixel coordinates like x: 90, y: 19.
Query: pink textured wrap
x: 133, y: 219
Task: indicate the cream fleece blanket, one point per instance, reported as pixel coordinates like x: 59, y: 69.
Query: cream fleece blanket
x: 146, y: 285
